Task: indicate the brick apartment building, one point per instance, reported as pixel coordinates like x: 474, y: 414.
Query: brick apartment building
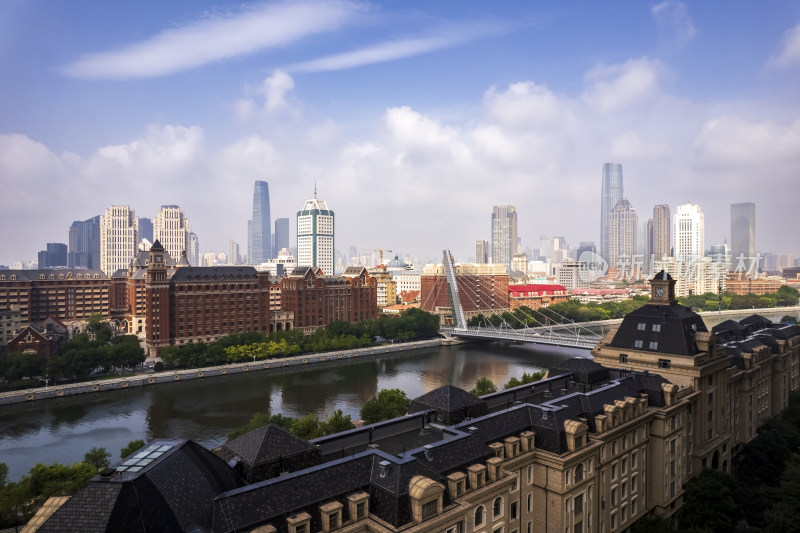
x: 536, y: 296
x: 317, y: 300
x: 483, y: 289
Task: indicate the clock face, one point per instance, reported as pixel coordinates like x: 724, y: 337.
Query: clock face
x: 660, y: 292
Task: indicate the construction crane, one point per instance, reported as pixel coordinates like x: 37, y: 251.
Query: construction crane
x: 379, y: 250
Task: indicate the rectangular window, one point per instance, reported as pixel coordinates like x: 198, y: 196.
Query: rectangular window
x: 613, y: 497
x: 642, y: 326
x: 429, y: 509
x: 514, y: 506
x: 664, y: 363
x: 656, y: 327
x: 653, y: 345
x: 530, y: 474
x: 638, y: 343
x: 623, y: 358
x: 530, y: 502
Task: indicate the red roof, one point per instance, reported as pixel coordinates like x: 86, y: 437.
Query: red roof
x: 536, y: 290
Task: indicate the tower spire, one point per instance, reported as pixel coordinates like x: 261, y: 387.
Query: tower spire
x: 315, y: 190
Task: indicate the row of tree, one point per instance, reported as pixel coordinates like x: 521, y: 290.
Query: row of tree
x: 414, y: 324
x: 485, y: 386
x: 710, y: 301
x: 77, y: 358
x: 20, y: 500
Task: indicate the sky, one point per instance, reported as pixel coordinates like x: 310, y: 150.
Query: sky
x: 411, y: 119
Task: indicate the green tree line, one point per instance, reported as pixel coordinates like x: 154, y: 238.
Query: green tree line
x: 414, y: 324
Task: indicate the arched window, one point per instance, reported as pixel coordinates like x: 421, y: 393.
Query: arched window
x: 579, y: 473
x: 480, y: 516
x: 497, y: 507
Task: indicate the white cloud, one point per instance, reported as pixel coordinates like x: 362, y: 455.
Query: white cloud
x: 523, y: 104
x: 675, y: 23
x: 789, y: 54
x: 617, y: 86
x: 630, y: 146
x: 217, y: 37
x: 378, y: 53
x: 732, y: 141
x: 276, y: 88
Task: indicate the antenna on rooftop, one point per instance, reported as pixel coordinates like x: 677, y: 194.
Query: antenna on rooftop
x: 315, y: 190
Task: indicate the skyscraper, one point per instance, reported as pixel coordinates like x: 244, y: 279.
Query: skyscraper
x: 504, y: 234
x: 260, y: 248
x: 622, y: 233
x: 610, y: 194
x: 281, y: 236
x: 171, y: 229
x: 743, y: 231
x: 54, y: 256
x: 119, y: 235
x: 146, y: 229
x: 661, y: 232
x: 481, y: 251
x: 315, y: 231
x: 193, y: 249
x: 689, y: 233
x: 233, y: 253
x: 84, y: 244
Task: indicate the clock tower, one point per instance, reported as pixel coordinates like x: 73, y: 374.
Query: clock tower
x: 662, y: 289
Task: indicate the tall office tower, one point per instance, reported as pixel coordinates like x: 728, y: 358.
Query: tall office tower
x: 504, y: 234
x: 146, y: 229
x: 719, y: 253
x: 233, y: 253
x: 544, y: 247
x: 54, y: 256
x: 586, y: 246
x: 260, y: 230
x: 661, y: 232
x: 559, y: 250
x: 743, y: 231
x: 649, y: 255
x: 622, y: 233
x: 315, y: 230
x: 282, y: 236
x: 84, y: 244
x: 119, y: 235
x: 610, y: 195
x: 193, y: 249
x: 481, y: 251
x: 689, y: 233
x: 171, y: 229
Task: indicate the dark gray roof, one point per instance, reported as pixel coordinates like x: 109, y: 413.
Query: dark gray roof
x: 216, y: 273
x: 173, y: 493
x: 756, y: 322
x: 266, y: 444
x: 585, y: 370
x: 57, y: 273
x: 676, y: 324
x: 447, y: 398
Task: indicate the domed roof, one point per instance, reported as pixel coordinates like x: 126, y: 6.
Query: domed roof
x: 396, y: 263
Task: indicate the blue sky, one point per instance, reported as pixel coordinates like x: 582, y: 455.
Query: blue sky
x: 413, y: 118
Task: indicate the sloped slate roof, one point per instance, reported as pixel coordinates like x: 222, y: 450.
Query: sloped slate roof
x: 585, y: 370
x: 756, y: 320
x: 677, y: 325
x: 448, y: 398
x: 266, y: 444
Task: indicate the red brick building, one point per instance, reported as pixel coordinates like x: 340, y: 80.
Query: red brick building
x: 317, y: 300
x: 536, y: 296
x: 64, y: 294
x: 42, y: 338
x: 483, y: 289
x: 202, y: 304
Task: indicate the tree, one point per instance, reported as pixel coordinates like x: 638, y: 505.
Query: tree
x: 337, y: 423
x: 709, y: 503
x: 526, y: 378
x: 307, y: 427
x: 789, y: 319
x: 98, y: 458
x: 483, y: 386
x: 3, y: 475
x: 389, y: 403
x: 131, y: 447
x: 652, y: 523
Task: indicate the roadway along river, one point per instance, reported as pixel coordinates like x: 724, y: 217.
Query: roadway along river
x: 205, y: 410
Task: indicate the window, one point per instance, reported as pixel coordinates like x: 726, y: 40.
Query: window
x: 530, y: 502
x: 710, y: 380
x: 638, y: 344
x: 656, y: 327
x: 624, y: 466
x: 654, y: 345
x: 497, y: 507
x: 614, y: 471
x: 514, y: 506
x: 300, y: 528
x: 642, y: 326
x: 634, y: 484
x: 429, y: 509
x: 361, y: 511
x: 663, y: 363
x: 530, y: 474
x: 613, y: 497
x: 333, y: 521
x: 623, y: 358
x: 515, y: 484
x: 578, y: 473
x: 480, y: 517
x: 710, y: 398
x: 634, y: 458
x: 579, y: 504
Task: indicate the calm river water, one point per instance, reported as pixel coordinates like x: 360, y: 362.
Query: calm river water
x: 205, y: 410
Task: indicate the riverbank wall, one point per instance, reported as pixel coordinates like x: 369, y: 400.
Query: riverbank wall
x: 171, y: 376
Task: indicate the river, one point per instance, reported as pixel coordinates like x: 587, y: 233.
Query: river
x: 205, y: 410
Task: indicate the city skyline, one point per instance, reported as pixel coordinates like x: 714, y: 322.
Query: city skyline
x: 376, y: 104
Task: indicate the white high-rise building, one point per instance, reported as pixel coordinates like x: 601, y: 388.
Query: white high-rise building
x: 192, y: 249
x: 171, y: 229
x: 119, y: 236
x: 689, y: 231
x: 504, y: 234
x: 315, y: 229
